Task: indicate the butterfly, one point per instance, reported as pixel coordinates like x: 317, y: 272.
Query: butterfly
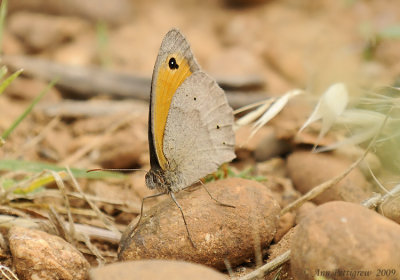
x: 190, y: 121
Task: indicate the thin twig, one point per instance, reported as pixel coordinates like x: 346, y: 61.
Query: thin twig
x: 268, y: 267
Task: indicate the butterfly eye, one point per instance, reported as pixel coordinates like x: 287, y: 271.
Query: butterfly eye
x: 172, y: 64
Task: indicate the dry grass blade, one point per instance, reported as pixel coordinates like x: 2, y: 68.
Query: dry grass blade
x: 59, y: 224
x: 251, y: 106
x: 268, y: 267
x: 330, y: 106
x: 7, y: 273
x: 7, y: 194
x: 353, y: 140
x: 61, y: 210
x: 376, y: 180
x: 100, y: 215
x: 100, y: 259
x: 253, y: 115
x: 133, y: 207
x: 98, y: 233
x: 274, y: 110
x: 264, y: 113
x: 7, y: 222
x: 61, y: 186
x: 228, y: 267
x: 12, y: 211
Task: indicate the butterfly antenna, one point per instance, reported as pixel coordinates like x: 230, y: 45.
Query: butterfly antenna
x: 213, y: 198
x: 184, y: 220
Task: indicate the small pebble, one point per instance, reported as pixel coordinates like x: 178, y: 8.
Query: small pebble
x: 307, y: 170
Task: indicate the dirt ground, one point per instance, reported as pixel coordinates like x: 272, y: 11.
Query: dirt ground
x: 255, y: 49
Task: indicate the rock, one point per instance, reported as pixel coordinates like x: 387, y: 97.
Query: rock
x: 218, y: 232
x: 242, y: 137
x: 286, y: 222
x: 304, y: 210
x: 41, y: 31
x: 370, y: 163
x: 390, y: 208
x: 39, y: 255
x: 272, y: 167
x: 282, y: 246
x: 287, y: 123
x: 155, y: 270
x: 308, y: 170
x: 341, y: 237
x: 270, y: 147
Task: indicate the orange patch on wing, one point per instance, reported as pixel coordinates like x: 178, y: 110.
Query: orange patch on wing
x: 168, y: 81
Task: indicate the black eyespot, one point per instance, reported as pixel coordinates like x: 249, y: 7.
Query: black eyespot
x: 217, y: 126
x: 195, y: 98
x: 172, y: 64
x: 223, y: 143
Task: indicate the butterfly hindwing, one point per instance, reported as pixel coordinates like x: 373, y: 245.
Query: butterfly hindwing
x: 198, y: 135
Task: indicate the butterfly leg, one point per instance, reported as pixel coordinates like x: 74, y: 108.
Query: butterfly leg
x: 217, y: 201
x: 141, y: 210
x: 184, y: 220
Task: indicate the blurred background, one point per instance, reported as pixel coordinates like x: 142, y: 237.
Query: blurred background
x: 105, y: 51
x: 288, y: 43
x: 102, y: 54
